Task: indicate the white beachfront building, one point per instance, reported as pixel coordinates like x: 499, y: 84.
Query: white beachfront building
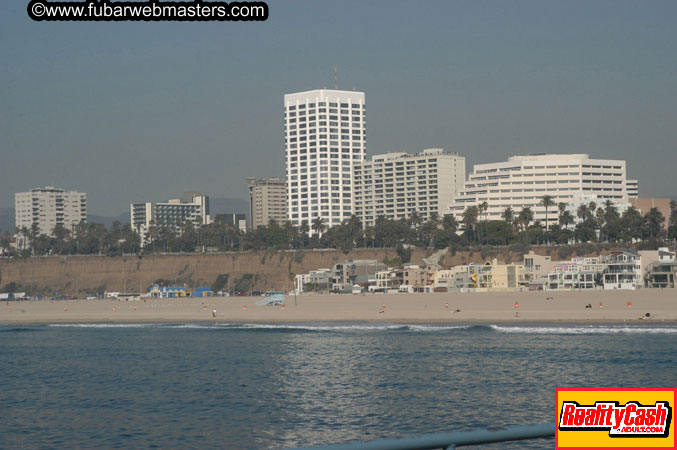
x: 193, y: 207
x: 579, y: 273
x: 522, y: 181
x: 324, y: 138
x: 624, y: 270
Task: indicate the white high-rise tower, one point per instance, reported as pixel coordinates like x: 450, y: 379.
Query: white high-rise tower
x: 324, y: 137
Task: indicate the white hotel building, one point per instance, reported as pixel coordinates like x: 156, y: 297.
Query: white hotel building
x: 523, y: 180
x: 324, y: 138
x: 395, y: 185
x: 170, y: 215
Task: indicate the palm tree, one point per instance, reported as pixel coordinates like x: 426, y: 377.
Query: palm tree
x: 483, y: 208
x: 290, y: 232
x: 547, y: 201
x: 318, y: 226
x: 434, y: 218
x: 562, y: 206
x: 525, y: 217
x: 583, y: 212
x: 565, y: 219
x: 415, y: 220
x: 303, y: 231
x: 600, y: 222
x: 470, y: 219
x: 508, y: 214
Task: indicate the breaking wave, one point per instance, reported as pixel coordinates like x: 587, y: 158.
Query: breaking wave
x: 389, y: 327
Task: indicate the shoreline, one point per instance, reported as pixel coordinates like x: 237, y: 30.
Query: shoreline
x: 536, y: 307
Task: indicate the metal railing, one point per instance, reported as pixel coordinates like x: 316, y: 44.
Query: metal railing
x: 448, y: 441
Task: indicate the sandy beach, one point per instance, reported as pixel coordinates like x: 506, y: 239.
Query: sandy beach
x: 549, y: 306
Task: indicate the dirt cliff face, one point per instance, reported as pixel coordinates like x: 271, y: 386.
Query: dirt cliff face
x: 86, y: 275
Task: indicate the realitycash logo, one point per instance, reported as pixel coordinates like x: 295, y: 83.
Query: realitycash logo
x: 597, y: 418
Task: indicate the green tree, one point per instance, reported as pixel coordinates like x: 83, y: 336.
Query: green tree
x: 632, y: 223
x: 672, y: 224
x: 6, y: 242
x: 653, y: 224
x: 449, y: 223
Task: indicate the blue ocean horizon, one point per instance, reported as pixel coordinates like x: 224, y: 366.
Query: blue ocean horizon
x: 267, y: 386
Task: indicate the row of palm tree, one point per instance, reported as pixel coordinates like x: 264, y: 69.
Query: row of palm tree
x: 596, y: 223
x: 601, y: 223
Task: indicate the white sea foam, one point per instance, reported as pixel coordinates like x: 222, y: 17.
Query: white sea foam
x: 103, y: 325
x: 592, y: 329
x: 379, y: 327
x: 320, y: 326
x: 437, y: 328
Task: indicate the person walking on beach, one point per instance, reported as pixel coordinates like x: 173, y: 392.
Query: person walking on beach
x: 214, y: 313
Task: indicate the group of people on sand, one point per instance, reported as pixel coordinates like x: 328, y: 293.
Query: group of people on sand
x: 446, y: 306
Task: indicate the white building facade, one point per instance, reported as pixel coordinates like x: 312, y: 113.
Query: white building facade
x: 632, y: 187
x: 324, y: 138
x: 395, y: 185
x: 48, y: 207
x: 522, y: 181
x: 193, y: 207
x: 624, y: 271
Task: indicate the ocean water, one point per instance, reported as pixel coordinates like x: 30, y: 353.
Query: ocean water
x: 239, y: 386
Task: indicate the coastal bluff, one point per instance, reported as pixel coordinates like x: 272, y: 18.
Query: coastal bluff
x: 265, y: 270
x: 89, y: 275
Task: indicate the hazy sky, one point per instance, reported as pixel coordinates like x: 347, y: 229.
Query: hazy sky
x: 136, y: 111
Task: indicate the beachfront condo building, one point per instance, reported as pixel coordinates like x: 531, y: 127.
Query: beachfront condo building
x: 324, y: 139
x: 522, y: 181
x: 150, y: 217
x: 397, y: 185
x: 45, y: 208
x: 267, y: 201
